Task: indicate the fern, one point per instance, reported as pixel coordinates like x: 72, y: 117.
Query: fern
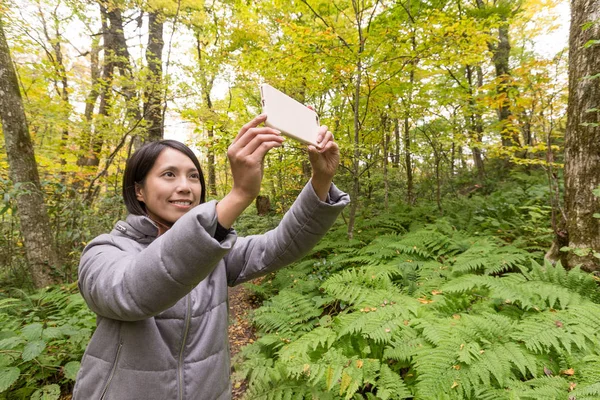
x: 485, y: 256
x: 287, y: 313
x: 429, y: 314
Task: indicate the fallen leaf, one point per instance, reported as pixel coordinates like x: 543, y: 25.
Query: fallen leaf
x: 455, y: 384
x: 572, y: 386
x: 569, y: 372
x: 359, y: 363
x: 436, y: 292
x: 558, y: 324
x: 548, y: 372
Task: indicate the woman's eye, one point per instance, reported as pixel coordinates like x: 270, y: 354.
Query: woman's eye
x: 169, y: 174
x: 195, y: 176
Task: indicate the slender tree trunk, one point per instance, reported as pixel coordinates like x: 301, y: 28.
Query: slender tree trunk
x: 356, y: 151
x: 116, y: 56
x: 61, y: 82
x: 35, y: 224
x: 500, y: 58
x: 582, y: 146
x: 475, y: 121
x: 108, y: 38
x: 410, y: 197
x: 500, y: 50
x: 86, y: 156
x: 153, y: 99
x: 386, y: 183
x: 397, y: 140
x: 408, y: 160
x: 207, y: 84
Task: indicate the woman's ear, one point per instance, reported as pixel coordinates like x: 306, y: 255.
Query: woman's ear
x: 139, y: 194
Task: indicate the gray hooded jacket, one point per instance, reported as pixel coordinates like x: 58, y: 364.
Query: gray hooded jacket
x: 162, y: 301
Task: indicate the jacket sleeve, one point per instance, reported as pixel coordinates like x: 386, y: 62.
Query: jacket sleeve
x: 301, y: 228
x: 120, y: 282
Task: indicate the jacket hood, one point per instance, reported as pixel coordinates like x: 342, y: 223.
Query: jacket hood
x: 137, y: 227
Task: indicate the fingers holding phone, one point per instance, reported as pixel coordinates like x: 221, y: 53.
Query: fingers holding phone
x: 324, y: 160
x: 247, y: 152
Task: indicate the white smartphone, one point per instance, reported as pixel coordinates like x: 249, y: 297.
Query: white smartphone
x: 289, y: 116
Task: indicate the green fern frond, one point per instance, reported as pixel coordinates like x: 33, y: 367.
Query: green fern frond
x: 575, y: 280
x: 546, y: 331
x: 486, y: 257
x: 376, y: 323
x: 358, y: 286
x: 534, y: 389
x: 586, y: 392
x: 587, y: 369
x: 307, y: 343
x: 487, y: 326
x: 287, y: 313
x: 390, y: 385
x: 405, y: 344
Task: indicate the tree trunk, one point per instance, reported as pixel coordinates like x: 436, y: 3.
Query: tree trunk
x: 475, y: 122
x: 397, y: 147
x: 116, y: 55
x: 35, y: 224
x: 386, y: 183
x: 207, y: 84
x: 582, y: 146
x: 153, y: 95
x: 86, y: 156
x: 500, y: 57
x: 408, y: 161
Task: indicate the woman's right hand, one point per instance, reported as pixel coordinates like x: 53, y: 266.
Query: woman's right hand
x: 246, y: 155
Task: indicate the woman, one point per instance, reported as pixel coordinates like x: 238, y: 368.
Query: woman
x: 158, y: 281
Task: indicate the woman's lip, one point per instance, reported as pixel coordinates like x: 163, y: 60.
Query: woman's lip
x: 181, y: 205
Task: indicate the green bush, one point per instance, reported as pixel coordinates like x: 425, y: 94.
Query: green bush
x: 42, y: 339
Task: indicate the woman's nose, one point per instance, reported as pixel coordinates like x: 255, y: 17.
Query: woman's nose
x: 184, y: 185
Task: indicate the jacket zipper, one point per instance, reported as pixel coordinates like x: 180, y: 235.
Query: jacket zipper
x: 188, y: 313
x: 112, y: 372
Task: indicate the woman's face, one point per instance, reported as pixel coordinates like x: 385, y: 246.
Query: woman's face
x: 171, y: 188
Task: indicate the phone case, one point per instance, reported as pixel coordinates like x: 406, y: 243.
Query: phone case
x: 289, y: 116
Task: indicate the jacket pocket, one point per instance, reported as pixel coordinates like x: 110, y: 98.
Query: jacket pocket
x: 112, y: 372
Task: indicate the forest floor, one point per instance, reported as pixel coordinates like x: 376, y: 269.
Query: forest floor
x: 241, y: 332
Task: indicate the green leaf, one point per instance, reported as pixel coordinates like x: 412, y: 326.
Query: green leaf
x: 33, y: 349
x: 71, y: 369
x: 11, y: 342
x: 582, y: 252
x: 48, y: 392
x: 591, y: 43
x: 32, y: 331
x: 8, y: 376
x: 596, y: 215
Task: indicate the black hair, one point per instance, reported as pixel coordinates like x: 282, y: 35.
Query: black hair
x: 142, y: 161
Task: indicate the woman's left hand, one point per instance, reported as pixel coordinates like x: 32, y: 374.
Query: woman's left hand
x: 324, y: 162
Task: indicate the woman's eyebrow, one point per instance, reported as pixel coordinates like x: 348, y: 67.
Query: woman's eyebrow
x: 173, y: 167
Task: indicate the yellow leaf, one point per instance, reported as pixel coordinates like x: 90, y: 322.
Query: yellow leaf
x: 306, y: 369
x: 569, y: 372
x: 346, y: 381
x: 359, y: 363
x: 455, y: 384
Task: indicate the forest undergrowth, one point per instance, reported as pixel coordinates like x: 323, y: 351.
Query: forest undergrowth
x: 418, y: 305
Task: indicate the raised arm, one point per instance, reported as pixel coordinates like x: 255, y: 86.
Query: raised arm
x: 121, y: 278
